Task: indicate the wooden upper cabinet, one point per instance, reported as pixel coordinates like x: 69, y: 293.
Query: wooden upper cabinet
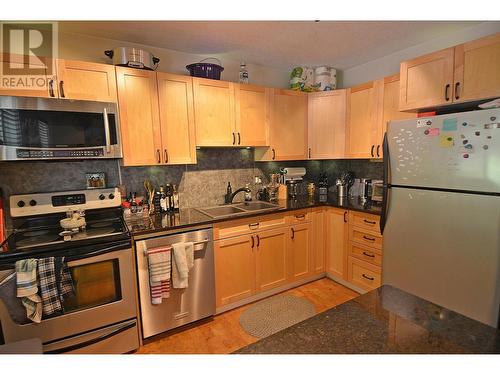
x: 214, y: 112
x: 234, y: 269
x: 139, y: 116
x: 252, y: 115
x: 326, y: 124
x: 175, y: 96
x: 336, y: 242
x: 10, y: 83
x: 477, y: 69
x: 363, y: 114
x: 427, y: 81
x: 81, y: 80
x: 288, y: 133
x: 271, y: 258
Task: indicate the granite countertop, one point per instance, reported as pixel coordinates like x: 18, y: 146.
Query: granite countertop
x: 189, y: 217
x: 385, y: 320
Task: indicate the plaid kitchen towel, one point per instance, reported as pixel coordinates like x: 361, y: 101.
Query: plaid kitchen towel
x: 66, y: 288
x: 27, y: 289
x: 49, y: 286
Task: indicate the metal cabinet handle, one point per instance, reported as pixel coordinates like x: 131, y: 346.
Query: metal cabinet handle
x: 51, y: 88
x: 309, y: 152
x: 293, y: 233
x: 368, y: 255
x: 274, y: 153
x: 165, y: 154
x: 371, y: 152
x: 234, y: 139
x: 253, y: 226
x: 158, y: 155
x: 368, y: 277
x: 258, y: 241
x: 457, y: 87
x: 369, y: 238
x: 253, y: 241
x: 446, y: 89
x: 61, y: 89
x: 239, y: 138
x: 378, y: 151
x: 301, y: 216
x: 107, y: 135
x: 345, y: 216
x: 369, y: 222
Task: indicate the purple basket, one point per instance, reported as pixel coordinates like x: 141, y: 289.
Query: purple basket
x: 205, y: 70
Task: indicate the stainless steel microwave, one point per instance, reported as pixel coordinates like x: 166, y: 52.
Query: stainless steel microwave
x: 41, y: 129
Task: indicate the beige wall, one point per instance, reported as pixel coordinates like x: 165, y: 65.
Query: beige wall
x: 87, y: 48
x: 389, y: 64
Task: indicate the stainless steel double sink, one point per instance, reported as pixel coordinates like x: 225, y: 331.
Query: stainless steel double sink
x: 237, y: 209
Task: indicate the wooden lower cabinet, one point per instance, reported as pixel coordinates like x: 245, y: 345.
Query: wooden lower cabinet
x: 336, y: 242
x: 318, y: 241
x: 234, y: 269
x: 300, y: 251
x: 271, y: 258
x: 363, y: 274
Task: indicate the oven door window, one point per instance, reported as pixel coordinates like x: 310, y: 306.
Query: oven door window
x: 54, y: 129
x: 95, y: 284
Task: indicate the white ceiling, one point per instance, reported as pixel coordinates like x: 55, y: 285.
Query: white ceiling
x: 282, y: 44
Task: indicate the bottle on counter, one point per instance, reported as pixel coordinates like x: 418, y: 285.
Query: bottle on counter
x: 243, y: 77
x: 163, y: 200
x: 229, y: 191
x: 133, y: 203
x: 248, y: 194
x: 169, y: 192
x: 175, y: 198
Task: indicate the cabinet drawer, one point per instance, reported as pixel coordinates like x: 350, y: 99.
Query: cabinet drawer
x: 365, y: 253
x: 249, y: 225
x: 367, y: 238
x: 365, y: 221
x: 363, y: 274
x: 299, y: 216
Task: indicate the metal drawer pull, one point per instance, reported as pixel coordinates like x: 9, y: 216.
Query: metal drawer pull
x: 61, y: 89
x: 158, y: 154
x: 253, y: 242
x: 369, y: 222
x: 368, y: 255
x: 368, y: 277
x: 258, y: 241
x: 371, y: 152
x: 239, y: 138
x: 274, y: 154
x: 446, y: 96
x: 457, y: 86
x: 51, y: 88
x: 369, y: 238
x: 301, y: 216
x: 234, y: 139
x: 345, y: 216
x: 253, y: 226
x: 378, y: 150
x: 293, y: 233
x: 165, y: 155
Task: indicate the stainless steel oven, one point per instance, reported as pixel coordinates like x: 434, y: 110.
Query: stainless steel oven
x: 101, y: 317
x: 40, y: 129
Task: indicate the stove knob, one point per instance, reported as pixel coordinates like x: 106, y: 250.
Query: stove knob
x: 102, y: 197
x: 21, y: 204
x: 111, y: 196
x: 32, y: 202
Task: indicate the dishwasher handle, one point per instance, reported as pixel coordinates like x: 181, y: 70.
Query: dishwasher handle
x: 202, y: 242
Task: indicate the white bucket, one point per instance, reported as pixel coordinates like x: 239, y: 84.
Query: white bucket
x: 325, y: 78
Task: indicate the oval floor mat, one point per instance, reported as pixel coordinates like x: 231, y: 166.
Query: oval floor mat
x: 275, y: 314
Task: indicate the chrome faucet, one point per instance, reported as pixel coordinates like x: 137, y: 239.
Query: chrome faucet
x: 228, y: 199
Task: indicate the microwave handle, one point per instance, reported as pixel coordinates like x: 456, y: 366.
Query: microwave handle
x: 106, y: 130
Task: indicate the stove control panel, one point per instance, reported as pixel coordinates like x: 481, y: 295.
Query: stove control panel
x: 48, y: 203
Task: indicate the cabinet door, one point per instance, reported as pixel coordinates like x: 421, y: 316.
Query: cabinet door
x: 234, y: 269
x: 82, y: 80
x: 271, y: 258
x: 336, y: 242
x: 20, y: 85
x: 288, y: 132
x: 318, y: 239
x: 175, y: 94
x: 139, y: 116
x: 426, y: 81
x: 214, y: 112
x: 252, y: 115
x: 363, y: 119
x: 390, y: 110
x: 326, y: 124
x: 300, y: 251
x: 477, y: 69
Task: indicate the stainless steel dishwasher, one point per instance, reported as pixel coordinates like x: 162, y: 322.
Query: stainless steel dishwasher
x: 183, y: 306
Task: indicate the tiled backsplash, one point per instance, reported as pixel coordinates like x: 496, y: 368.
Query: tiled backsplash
x: 201, y: 184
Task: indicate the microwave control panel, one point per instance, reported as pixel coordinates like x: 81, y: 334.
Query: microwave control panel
x: 74, y: 153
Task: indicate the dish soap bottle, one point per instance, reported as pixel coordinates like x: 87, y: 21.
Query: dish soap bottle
x: 243, y: 78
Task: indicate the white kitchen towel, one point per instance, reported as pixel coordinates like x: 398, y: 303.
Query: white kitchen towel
x: 184, y: 261
x: 27, y: 288
x: 159, y: 268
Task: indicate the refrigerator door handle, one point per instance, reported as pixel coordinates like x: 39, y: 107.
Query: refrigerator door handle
x: 386, y: 185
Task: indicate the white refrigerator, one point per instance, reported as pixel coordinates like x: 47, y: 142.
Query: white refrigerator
x: 441, y: 213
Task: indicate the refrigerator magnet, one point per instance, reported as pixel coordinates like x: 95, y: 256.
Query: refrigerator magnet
x: 446, y: 141
x: 432, y: 132
x: 450, y: 124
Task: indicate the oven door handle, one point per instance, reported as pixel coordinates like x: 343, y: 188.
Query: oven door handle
x: 72, y: 258
x: 106, y: 130
x: 93, y: 341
